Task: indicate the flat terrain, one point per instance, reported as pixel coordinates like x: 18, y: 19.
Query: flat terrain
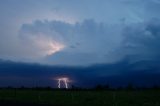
x: 79, y: 98
x: 14, y: 103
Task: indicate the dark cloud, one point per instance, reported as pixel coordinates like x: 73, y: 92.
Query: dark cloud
x: 142, y: 40
x: 117, y: 74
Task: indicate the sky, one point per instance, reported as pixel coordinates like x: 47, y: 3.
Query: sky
x: 79, y: 34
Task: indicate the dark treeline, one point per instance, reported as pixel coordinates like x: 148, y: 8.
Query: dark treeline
x: 96, y: 88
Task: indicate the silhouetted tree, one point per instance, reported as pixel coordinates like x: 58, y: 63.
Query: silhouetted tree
x: 75, y: 87
x: 155, y: 87
x: 99, y: 87
x: 130, y: 86
x: 106, y: 87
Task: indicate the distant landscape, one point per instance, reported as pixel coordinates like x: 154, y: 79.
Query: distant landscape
x: 79, y: 97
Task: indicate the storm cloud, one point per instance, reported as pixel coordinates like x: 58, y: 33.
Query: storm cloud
x: 142, y: 40
x: 87, y: 41
x: 64, y: 33
x: 113, y: 41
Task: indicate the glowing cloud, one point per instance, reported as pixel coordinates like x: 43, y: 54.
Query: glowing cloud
x: 42, y: 45
x: 54, y: 47
x: 47, y: 45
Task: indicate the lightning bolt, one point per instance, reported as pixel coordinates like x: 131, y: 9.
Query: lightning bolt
x: 66, y: 83
x: 59, y: 83
x: 64, y: 80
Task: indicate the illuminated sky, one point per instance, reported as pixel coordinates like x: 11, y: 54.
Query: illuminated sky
x: 88, y: 41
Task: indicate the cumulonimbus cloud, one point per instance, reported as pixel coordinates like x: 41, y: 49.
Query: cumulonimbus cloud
x: 93, y: 42
x: 107, y: 37
x: 89, y: 42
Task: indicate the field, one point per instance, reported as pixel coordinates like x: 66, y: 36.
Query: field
x: 83, y: 98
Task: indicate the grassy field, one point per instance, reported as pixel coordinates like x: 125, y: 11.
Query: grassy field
x: 84, y: 98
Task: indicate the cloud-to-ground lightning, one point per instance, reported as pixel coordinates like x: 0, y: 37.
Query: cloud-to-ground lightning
x: 64, y: 80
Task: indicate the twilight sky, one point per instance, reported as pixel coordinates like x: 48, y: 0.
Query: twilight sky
x: 81, y: 33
